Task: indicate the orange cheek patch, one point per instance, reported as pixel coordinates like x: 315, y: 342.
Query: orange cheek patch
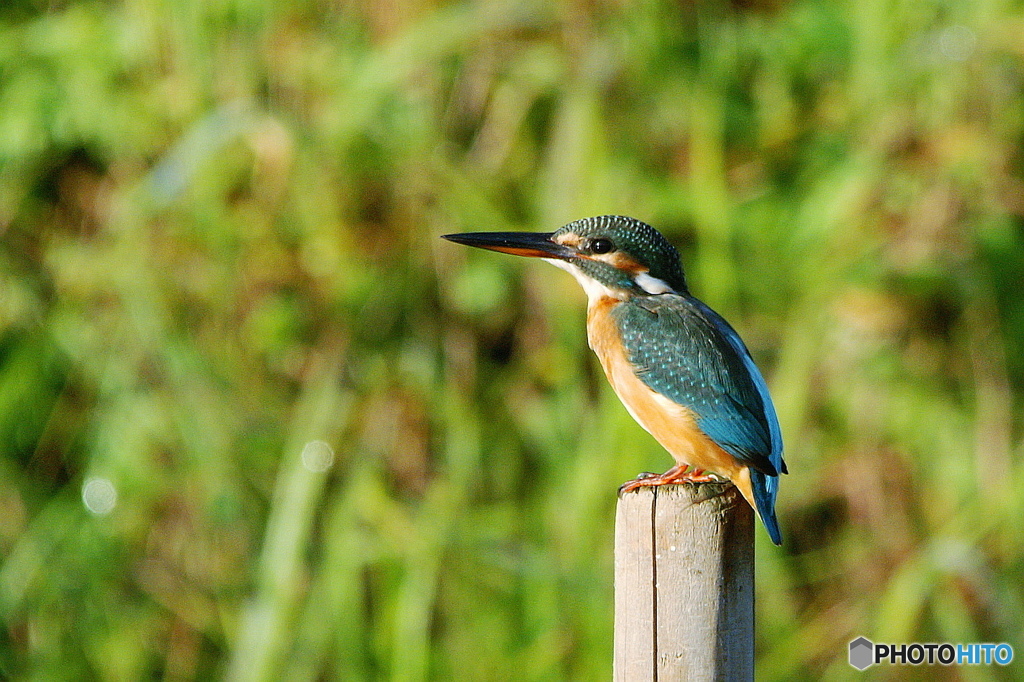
x: 619, y: 261
x: 624, y: 262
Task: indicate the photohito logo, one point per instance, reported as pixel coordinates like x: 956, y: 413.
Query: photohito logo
x: 865, y: 653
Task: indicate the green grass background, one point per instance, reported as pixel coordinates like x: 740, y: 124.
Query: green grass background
x: 219, y: 227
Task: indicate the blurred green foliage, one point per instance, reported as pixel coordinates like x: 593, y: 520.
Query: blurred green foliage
x: 218, y: 244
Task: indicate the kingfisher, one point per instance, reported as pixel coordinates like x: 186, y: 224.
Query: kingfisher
x: 680, y: 369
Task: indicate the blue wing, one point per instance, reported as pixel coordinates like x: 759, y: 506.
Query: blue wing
x: 685, y: 351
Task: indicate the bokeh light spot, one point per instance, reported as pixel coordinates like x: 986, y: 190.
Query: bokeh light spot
x: 317, y: 456
x: 957, y: 43
x: 99, y: 495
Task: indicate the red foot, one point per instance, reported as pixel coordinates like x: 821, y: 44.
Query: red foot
x: 677, y: 474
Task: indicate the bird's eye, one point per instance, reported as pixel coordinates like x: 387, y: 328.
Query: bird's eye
x: 602, y: 245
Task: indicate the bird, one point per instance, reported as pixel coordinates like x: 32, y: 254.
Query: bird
x: 680, y: 369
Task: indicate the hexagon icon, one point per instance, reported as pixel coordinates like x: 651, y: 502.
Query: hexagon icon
x: 862, y: 653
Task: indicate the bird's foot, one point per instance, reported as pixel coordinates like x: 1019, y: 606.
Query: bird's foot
x: 677, y: 474
x: 641, y: 480
x: 699, y: 476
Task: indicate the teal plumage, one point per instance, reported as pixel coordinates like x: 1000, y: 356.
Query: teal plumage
x: 678, y: 352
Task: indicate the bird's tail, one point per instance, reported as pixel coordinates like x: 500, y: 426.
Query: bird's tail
x: 760, y: 490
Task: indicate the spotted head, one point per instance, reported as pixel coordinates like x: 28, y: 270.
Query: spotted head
x: 609, y: 255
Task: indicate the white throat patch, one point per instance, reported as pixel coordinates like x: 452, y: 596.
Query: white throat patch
x: 595, y: 290
x: 653, y: 285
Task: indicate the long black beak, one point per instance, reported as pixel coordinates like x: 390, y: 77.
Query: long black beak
x: 535, y: 244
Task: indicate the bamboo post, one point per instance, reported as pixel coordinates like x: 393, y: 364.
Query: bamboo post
x: 684, y: 584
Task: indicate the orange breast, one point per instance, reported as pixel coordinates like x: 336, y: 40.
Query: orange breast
x: 671, y: 424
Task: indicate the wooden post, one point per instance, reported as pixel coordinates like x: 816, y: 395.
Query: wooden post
x: 684, y: 584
